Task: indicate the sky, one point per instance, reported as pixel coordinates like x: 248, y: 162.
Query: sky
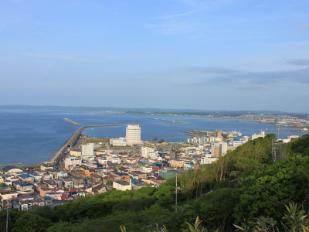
x: 185, y: 54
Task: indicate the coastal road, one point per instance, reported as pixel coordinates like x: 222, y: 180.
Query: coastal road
x: 59, y: 155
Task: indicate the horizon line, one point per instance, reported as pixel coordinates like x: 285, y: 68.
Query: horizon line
x: 154, y: 108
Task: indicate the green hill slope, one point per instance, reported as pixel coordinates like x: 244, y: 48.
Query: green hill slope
x: 240, y: 188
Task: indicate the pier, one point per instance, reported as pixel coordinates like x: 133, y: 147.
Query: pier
x: 60, y: 154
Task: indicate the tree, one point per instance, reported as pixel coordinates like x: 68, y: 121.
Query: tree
x: 31, y: 223
x: 216, y: 207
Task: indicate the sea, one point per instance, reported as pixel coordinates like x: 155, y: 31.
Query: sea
x: 31, y: 135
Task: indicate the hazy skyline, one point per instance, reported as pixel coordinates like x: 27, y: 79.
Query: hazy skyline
x: 187, y: 54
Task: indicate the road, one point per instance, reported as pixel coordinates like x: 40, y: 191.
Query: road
x: 60, y: 154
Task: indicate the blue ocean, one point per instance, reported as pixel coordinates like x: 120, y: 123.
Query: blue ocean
x: 30, y: 135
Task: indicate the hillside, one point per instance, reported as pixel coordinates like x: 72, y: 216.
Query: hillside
x: 242, y: 188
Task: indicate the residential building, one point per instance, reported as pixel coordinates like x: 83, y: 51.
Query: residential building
x: 88, y: 151
x: 122, y: 185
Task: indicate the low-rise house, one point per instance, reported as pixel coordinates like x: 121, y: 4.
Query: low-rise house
x: 47, y: 176
x: 23, y: 186
x: 37, y: 176
x: 38, y: 202
x: 147, y: 169
x: 55, y: 195
x: 71, y: 162
x: 61, y: 174
x: 68, y: 183
x: 26, y: 177
x: 10, y: 179
x: 46, y: 167
x: 51, y: 184
x: 101, y: 188
x: 14, y: 171
x: 43, y: 190
x: 177, y: 164
x: 4, y: 187
x: 78, y: 182
x: 75, y: 152
x: 8, y: 195
x: 122, y: 185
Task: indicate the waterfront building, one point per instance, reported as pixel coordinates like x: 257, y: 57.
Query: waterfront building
x: 133, y: 135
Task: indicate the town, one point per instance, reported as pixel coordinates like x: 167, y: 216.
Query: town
x: 97, y: 165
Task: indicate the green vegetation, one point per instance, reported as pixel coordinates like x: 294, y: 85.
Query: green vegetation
x: 243, y: 191
x: 96, y: 140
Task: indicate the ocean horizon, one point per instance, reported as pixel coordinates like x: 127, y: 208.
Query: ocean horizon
x: 31, y: 135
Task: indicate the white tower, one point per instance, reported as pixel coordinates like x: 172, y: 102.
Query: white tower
x: 133, y: 135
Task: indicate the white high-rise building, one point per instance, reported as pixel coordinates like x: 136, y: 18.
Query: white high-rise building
x: 133, y: 135
x: 88, y: 150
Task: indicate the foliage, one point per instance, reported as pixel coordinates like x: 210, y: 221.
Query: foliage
x: 244, y: 188
x: 294, y: 218
x: 31, y: 223
x: 197, y: 226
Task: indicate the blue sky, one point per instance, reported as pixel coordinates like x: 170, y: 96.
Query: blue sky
x: 198, y: 54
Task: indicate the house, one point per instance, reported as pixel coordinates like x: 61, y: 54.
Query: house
x: 26, y: 177
x: 68, y: 183
x: 61, y: 175
x: 8, y: 195
x: 78, y: 182
x: 177, y: 164
x: 122, y: 185
x: 9, y: 179
x: 14, y: 171
x: 55, y: 195
x: 23, y: 186
x: 37, y: 176
x: 43, y: 191
x: 71, y: 162
x: 47, y: 176
x: 51, y: 184
x: 75, y: 152
x: 46, y: 167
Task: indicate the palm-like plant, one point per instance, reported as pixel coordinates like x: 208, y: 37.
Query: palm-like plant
x: 197, y: 226
x: 123, y: 228
x: 261, y: 224
x: 294, y: 218
x: 162, y: 229
x: 264, y: 224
